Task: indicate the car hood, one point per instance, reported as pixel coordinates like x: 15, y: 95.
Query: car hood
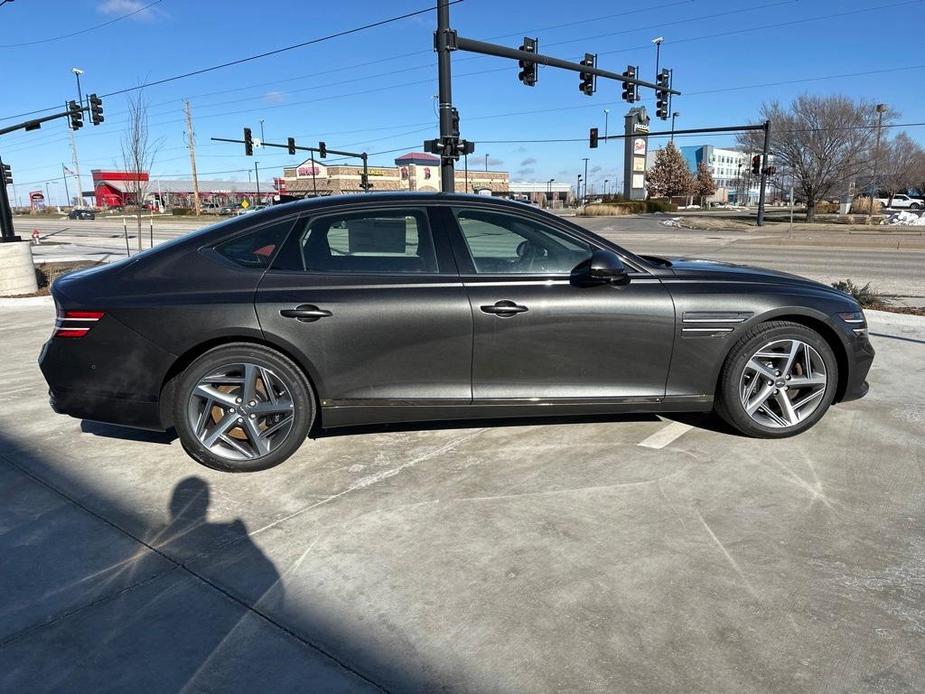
x: 714, y: 269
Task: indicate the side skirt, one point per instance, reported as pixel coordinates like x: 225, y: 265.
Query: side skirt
x: 345, y: 413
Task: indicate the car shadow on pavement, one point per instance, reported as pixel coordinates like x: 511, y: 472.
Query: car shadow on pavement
x: 99, y: 596
x: 114, y: 431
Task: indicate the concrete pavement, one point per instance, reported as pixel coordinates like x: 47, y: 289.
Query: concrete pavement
x: 613, y: 554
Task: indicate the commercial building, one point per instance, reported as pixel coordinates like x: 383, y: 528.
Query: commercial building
x: 415, y: 171
x: 731, y: 170
x: 120, y: 188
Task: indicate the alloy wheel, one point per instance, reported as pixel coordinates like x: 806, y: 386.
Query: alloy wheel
x: 783, y: 383
x: 241, y: 411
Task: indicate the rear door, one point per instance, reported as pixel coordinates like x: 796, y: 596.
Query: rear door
x: 539, y: 337
x: 370, y: 299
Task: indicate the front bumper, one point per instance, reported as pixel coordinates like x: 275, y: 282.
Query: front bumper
x: 860, y: 355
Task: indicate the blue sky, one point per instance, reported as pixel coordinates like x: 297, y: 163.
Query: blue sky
x: 375, y: 90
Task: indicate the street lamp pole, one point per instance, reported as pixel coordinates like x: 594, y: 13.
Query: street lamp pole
x: 486, y: 162
x: 257, y: 180
x: 606, y: 190
x: 262, y: 138
x: 578, y: 190
x: 673, y: 116
x: 80, y: 189
x: 658, y: 51
x: 606, y: 118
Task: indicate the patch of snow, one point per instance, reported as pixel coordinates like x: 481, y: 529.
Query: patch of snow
x: 905, y: 218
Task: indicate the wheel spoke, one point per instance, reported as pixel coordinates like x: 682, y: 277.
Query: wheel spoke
x: 786, y: 407
x: 237, y: 446
x: 255, y: 436
x: 809, y: 398
x: 804, y: 381
x: 281, y: 405
x: 250, y: 382
x: 269, y: 431
x: 223, y: 425
x: 204, y: 417
x: 207, y: 392
x: 761, y: 369
x: 759, y: 399
x: 794, y: 350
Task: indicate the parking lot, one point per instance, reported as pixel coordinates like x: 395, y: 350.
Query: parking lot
x: 631, y: 553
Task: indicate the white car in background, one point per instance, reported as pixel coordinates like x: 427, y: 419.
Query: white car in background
x: 901, y: 202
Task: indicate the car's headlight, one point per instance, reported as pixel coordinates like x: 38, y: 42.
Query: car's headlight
x: 856, y: 317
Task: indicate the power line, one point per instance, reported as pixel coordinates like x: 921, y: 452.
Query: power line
x: 82, y: 31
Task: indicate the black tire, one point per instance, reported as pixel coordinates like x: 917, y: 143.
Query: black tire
x: 298, y: 386
x: 728, y: 403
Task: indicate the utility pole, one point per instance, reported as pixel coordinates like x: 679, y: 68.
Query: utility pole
x: 257, y: 180
x: 586, y: 177
x: 658, y: 50
x: 191, y: 143
x: 486, y: 162
x: 881, y: 109
x: 763, y: 180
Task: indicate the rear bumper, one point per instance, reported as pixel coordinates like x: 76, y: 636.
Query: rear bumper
x: 105, y: 407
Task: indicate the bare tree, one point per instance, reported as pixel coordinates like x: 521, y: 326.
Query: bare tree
x: 138, y: 154
x: 899, y: 162
x: 824, y: 140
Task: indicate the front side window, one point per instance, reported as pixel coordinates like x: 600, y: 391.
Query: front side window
x: 502, y: 243
x: 382, y: 241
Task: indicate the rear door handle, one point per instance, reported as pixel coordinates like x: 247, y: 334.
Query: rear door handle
x: 504, y: 309
x: 306, y: 313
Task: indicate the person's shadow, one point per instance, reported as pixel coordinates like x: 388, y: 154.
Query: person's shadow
x: 189, y: 537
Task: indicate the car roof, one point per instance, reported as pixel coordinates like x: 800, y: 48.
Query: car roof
x: 398, y: 196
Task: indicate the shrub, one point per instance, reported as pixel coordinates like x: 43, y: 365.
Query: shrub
x: 660, y: 205
x: 863, y: 206
x: 604, y: 211
x: 863, y: 295
x: 826, y: 207
x: 181, y: 211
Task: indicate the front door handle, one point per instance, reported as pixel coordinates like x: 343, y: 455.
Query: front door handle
x: 504, y: 309
x: 306, y: 313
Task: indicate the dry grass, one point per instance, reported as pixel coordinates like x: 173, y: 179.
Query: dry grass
x: 863, y: 206
x: 603, y: 211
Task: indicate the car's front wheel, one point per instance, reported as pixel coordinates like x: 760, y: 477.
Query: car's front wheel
x: 242, y: 408
x: 777, y: 381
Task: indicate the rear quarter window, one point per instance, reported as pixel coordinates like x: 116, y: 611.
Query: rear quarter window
x: 256, y: 249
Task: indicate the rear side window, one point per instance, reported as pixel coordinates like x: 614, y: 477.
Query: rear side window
x: 383, y: 241
x: 256, y: 249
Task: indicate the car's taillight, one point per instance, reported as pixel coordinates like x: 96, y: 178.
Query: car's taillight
x: 75, y: 323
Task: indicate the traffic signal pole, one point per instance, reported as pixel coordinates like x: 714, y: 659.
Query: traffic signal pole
x: 6, y: 211
x: 763, y: 181
x: 450, y: 146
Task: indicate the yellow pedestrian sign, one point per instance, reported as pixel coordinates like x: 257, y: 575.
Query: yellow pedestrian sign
x: 245, y: 204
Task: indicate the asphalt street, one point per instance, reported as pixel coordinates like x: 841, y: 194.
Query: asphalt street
x: 624, y: 554
x: 891, y: 261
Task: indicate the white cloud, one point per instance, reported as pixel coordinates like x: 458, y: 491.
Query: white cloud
x: 138, y: 9
x: 275, y: 97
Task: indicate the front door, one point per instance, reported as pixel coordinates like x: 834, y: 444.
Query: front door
x: 372, y: 301
x: 539, y: 337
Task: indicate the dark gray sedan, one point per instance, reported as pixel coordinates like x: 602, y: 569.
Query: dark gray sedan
x: 411, y: 307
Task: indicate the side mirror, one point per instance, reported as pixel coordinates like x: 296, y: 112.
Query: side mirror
x: 603, y: 267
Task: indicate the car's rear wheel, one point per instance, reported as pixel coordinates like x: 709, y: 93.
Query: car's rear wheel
x: 777, y: 381
x: 242, y: 408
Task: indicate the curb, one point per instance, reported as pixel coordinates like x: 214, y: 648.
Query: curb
x: 26, y: 301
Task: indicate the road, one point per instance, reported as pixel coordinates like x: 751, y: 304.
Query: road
x: 891, y: 261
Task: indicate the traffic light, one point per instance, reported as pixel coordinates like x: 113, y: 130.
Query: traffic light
x: 630, y: 89
x: 76, y: 114
x: 6, y: 173
x: 528, y: 68
x: 248, y: 142
x: 364, y: 182
x: 96, y: 109
x: 593, y: 143
x: 454, y: 122
x: 588, y: 79
x: 322, y: 150
x: 662, y: 95
x: 756, y: 164
x: 290, y: 145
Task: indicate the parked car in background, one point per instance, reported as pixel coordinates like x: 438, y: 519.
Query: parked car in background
x: 901, y: 201
x: 79, y: 213
x: 249, y: 210
x: 404, y: 307
x: 227, y: 210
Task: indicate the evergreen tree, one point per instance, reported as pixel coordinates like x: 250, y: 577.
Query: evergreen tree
x: 704, y: 185
x: 670, y: 176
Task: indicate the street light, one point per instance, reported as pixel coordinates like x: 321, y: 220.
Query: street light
x: 881, y: 109
x: 77, y: 73
x: 549, y: 192
x: 606, y: 181
x: 606, y: 118
x: 262, y: 138
x: 658, y: 49
x: 673, y: 116
x: 257, y: 180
